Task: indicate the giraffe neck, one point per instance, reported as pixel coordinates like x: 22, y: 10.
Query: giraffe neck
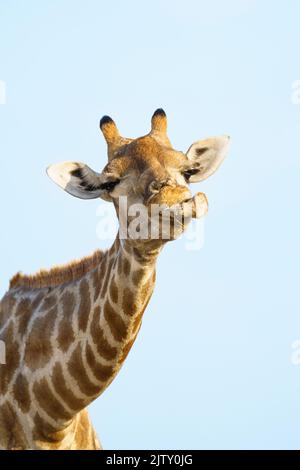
x: 116, y: 310
x: 99, y: 319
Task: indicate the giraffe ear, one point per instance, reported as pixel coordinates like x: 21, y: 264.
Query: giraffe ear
x: 77, y: 179
x: 206, y: 156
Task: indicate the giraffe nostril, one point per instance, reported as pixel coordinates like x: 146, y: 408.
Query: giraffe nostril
x: 156, y: 186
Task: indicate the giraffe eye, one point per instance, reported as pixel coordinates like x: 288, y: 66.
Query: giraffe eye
x: 188, y: 173
x: 109, y: 185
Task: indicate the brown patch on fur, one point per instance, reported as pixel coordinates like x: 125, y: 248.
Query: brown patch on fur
x: 48, y: 402
x: 12, y: 358
x: 114, y: 293
x: 126, y: 267
x: 101, y: 343
x: 65, y: 335
x: 57, y: 275
x: 24, y: 312
x: 63, y: 390
x: 138, y: 276
x: 77, y: 370
x: 68, y: 303
x: 38, y: 348
x: 96, y: 284
x: 100, y: 371
x: 21, y: 393
x: 7, y: 305
x: 12, y: 435
x: 85, y: 305
x: 128, y: 304
x: 116, y: 323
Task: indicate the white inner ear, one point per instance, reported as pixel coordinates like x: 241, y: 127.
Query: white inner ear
x: 80, y: 185
x: 60, y: 172
x: 208, y: 155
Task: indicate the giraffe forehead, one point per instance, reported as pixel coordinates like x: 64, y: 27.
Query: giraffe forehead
x: 144, y: 147
x: 146, y: 152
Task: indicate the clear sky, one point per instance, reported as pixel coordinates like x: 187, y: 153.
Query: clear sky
x: 212, y: 365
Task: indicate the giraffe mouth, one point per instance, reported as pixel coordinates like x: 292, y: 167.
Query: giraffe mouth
x: 192, y: 207
x: 181, y: 214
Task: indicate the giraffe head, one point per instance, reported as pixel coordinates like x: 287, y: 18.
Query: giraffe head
x: 146, y: 172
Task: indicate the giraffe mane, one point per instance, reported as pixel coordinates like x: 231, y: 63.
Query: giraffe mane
x: 58, y: 275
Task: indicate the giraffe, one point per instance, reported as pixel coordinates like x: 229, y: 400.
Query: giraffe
x: 67, y: 331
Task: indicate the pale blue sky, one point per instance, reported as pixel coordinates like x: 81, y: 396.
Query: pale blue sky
x: 211, y: 367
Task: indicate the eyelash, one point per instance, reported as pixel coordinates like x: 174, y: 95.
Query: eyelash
x: 187, y: 174
x: 110, y: 185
